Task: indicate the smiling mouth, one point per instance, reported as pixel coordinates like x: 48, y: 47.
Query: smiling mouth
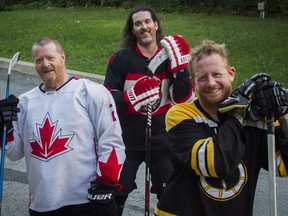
x: 213, y: 91
x: 145, y: 31
x: 47, y: 72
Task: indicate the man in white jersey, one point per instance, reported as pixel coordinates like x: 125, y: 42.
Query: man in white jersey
x: 69, y: 133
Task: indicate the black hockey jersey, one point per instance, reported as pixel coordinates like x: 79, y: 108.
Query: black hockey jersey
x: 125, y: 68
x: 216, y: 163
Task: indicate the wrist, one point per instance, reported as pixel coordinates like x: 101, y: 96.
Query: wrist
x: 130, y: 107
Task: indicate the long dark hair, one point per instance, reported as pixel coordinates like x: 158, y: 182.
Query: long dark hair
x: 128, y: 39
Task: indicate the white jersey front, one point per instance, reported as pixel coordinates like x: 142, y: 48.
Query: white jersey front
x: 69, y: 137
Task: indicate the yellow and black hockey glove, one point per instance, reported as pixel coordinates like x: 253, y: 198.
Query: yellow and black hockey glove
x: 241, y: 97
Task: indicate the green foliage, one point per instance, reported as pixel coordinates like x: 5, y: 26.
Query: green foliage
x: 274, y: 7
x: 91, y: 35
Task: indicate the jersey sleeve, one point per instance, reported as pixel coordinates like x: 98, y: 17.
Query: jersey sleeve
x: 281, y: 153
x: 14, y: 147
x: 181, y: 89
x: 196, y: 145
x: 110, y: 148
x: 114, y: 81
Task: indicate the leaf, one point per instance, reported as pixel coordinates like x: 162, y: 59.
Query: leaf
x: 111, y: 169
x: 49, y: 143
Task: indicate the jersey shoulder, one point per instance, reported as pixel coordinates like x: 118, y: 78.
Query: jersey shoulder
x: 180, y: 112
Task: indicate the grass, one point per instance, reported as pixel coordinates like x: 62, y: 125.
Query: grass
x: 90, y: 35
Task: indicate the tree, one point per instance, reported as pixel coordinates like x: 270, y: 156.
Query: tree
x: 2, y: 5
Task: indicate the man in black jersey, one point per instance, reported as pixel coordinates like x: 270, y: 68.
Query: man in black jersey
x: 129, y: 81
x: 218, y: 155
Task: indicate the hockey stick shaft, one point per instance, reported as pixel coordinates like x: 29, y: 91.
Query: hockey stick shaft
x: 272, y: 165
x: 12, y: 62
x: 154, y: 63
x: 147, y: 160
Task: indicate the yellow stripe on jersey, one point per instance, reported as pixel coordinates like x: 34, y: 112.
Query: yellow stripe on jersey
x: 158, y: 212
x: 179, y: 113
x: 210, y: 158
x: 202, y: 154
x: 194, y: 156
x: 281, y: 166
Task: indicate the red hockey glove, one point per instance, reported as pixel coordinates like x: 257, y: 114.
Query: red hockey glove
x: 8, y: 109
x: 178, y: 52
x: 102, y: 199
x: 141, y: 94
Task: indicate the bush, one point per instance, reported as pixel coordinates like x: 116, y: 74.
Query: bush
x: 274, y: 7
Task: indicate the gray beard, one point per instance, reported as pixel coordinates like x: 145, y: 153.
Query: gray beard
x: 145, y: 42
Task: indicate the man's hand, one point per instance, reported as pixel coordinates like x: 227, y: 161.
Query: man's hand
x: 242, y: 97
x: 249, y: 86
x: 235, y: 100
x: 270, y: 97
x: 8, y: 113
x: 178, y: 52
x: 141, y: 94
x: 8, y: 110
x: 102, y: 199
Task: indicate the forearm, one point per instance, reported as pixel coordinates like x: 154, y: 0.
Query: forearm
x: 13, y: 152
x: 121, y: 105
x: 182, y: 88
x: 229, y: 144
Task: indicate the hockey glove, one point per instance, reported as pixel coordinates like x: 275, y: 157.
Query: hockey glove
x: 8, y: 113
x: 241, y: 97
x: 102, y: 199
x: 178, y: 52
x: 270, y: 97
x: 9, y: 109
x: 141, y: 94
x: 248, y: 87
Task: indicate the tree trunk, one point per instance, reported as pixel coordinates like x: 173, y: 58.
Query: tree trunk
x: 2, y: 5
x: 102, y: 3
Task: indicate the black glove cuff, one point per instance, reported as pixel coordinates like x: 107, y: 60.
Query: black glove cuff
x: 101, y: 192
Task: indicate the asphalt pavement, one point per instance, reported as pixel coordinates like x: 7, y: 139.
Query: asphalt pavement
x: 15, y: 197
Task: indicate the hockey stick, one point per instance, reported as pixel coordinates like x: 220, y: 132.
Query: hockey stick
x: 272, y: 164
x: 12, y: 62
x: 154, y: 63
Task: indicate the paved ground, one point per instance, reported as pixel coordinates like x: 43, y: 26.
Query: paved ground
x: 15, y: 187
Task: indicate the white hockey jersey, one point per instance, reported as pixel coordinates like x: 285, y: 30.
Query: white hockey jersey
x: 69, y: 137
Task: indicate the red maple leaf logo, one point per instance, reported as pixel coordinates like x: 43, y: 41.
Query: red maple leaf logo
x: 49, y: 143
x: 110, y: 170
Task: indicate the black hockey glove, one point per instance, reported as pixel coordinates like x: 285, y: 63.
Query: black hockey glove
x: 102, y: 199
x: 8, y: 110
x: 241, y: 96
x: 269, y: 98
